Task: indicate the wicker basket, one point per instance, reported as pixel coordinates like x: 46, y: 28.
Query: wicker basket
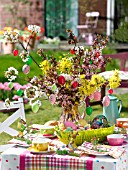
x: 84, y: 135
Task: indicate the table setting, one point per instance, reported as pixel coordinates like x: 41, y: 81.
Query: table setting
x: 71, y: 142
x: 49, y: 153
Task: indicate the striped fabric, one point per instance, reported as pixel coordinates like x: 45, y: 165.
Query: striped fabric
x: 55, y: 162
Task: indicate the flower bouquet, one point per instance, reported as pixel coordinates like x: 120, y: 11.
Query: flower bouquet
x: 69, y: 82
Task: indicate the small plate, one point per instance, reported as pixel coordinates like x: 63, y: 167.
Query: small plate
x: 19, y: 143
x: 124, y: 144
x: 40, y: 152
x: 99, y: 154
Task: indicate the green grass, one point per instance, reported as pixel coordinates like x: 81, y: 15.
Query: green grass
x: 47, y: 111
x: 10, y: 61
x: 50, y: 112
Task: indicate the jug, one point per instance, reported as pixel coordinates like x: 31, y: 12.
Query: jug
x: 112, y: 112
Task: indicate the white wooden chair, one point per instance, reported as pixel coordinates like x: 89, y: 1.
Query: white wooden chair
x: 90, y: 25
x: 19, y: 113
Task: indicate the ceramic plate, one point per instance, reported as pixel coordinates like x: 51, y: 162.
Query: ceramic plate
x: 39, y: 152
x: 49, y: 136
x: 125, y: 143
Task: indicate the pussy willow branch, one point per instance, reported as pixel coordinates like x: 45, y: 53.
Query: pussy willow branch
x: 29, y: 54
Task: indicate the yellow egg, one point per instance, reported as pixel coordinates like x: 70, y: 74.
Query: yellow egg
x: 82, y: 122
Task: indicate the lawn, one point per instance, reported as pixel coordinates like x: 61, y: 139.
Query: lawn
x: 47, y: 111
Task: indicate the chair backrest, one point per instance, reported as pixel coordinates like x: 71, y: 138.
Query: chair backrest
x: 92, y: 19
x: 18, y: 106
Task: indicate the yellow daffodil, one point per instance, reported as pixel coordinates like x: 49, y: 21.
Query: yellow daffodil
x: 114, y: 81
x: 45, y: 66
x: 97, y: 80
x: 65, y: 65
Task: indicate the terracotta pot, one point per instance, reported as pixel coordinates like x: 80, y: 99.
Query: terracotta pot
x: 7, y: 48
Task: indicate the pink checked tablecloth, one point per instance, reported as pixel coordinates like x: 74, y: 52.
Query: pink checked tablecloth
x: 20, y: 158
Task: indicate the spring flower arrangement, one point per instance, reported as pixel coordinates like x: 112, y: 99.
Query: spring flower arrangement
x: 68, y: 82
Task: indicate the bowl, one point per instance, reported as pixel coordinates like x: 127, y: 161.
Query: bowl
x: 47, y: 130
x: 115, y: 139
x: 40, y: 144
x: 121, y: 122
x: 84, y: 135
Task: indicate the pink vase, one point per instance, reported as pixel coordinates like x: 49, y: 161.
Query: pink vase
x: 7, y: 48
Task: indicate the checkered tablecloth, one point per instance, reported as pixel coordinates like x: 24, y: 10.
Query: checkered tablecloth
x: 20, y: 158
x: 56, y: 162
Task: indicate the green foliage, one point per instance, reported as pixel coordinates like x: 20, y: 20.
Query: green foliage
x: 114, y: 63
x: 121, y: 34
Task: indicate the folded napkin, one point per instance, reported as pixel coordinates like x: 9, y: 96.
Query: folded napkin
x: 116, y: 152
x: 113, y: 151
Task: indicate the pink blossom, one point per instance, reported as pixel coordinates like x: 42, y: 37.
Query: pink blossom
x: 15, y: 97
x: 1, y: 86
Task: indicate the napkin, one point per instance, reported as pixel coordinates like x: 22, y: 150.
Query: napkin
x: 113, y: 151
x: 116, y: 152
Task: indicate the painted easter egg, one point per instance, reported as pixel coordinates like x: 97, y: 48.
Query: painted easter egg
x: 89, y: 110
x: 15, y: 52
x: 74, y: 84
x: 61, y: 80
x: 29, y: 60
x: 26, y: 69
x: 91, y: 97
x: 19, y: 92
x: 97, y: 95
x: 10, y: 85
x: 54, y: 87
x: 35, y: 107
x: 70, y: 124
x: 106, y: 101
x: 110, y: 91
x: 82, y: 122
x: 52, y: 98
x: 99, y: 121
x: 72, y: 51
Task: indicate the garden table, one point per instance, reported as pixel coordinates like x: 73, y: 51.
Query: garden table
x: 16, y: 158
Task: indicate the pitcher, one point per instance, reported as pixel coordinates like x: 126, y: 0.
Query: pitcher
x: 112, y: 112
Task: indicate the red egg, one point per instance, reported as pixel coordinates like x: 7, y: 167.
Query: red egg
x: 110, y: 91
x: 74, y: 84
x: 72, y: 51
x: 61, y: 80
x: 97, y: 54
x: 15, y: 52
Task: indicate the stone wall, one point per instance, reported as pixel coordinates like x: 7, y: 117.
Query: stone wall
x: 33, y: 14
